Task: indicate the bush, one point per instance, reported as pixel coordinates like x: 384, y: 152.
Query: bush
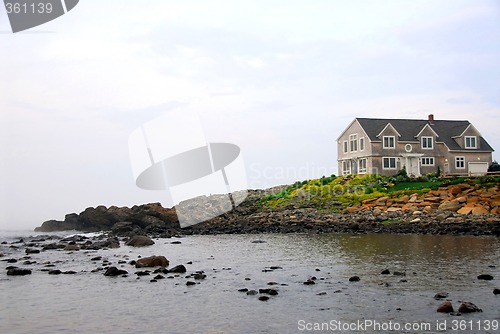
x: 401, y: 176
x: 327, y: 180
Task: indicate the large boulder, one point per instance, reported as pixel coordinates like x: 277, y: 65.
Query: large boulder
x: 152, y: 261
x: 180, y: 269
x: 139, y: 241
x: 450, y: 206
x: 445, y: 307
x: 108, y: 243
x: 479, y: 210
x: 468, y: 307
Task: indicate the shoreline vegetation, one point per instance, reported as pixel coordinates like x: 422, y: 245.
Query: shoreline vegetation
x: 371, y: 203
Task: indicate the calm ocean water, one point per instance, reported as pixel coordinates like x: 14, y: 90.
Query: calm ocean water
x: 92, y: 303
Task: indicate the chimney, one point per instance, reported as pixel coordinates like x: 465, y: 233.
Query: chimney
x: 431, y: 118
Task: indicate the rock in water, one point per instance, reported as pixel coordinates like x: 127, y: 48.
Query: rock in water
x: 468, y: 307
x: 113, y: 271
x: 139, y: 241
x: 496, y: 291
x: 108, y: 243
x: 18, y: 272
x: 441, y: 295
x: 199, y: 276
x: 72, y: 248
x: 152, y: 261
x: 178, y: 269
x: 445, y: 307
x: 354, y: 279
x: 485, y: 277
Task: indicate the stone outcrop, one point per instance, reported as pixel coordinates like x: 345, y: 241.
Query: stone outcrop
x: 102, y: 219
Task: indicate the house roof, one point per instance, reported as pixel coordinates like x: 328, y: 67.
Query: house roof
x: 410, y: 128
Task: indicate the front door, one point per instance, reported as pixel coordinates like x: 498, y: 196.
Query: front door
x: 414, y: 166
x: 446, y: 168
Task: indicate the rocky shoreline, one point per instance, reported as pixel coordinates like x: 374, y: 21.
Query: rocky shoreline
x: 459, y: 209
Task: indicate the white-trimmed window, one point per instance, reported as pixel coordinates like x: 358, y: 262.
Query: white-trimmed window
x: 346, y: 167
x: 362, y: 166
x: 389, y: 163
x: 470, y: 142
x: 460, y: 162
x: 427, y: 143
x: 427, y: 161
x: 362, y: 143
x: 345, y: 146
x: 389, y: 142
x: 353, y: 142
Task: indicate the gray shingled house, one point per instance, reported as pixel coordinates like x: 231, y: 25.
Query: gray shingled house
x: 384, y: 146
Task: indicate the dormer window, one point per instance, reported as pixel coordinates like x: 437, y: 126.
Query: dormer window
x: 389, y: 142
x: 470, y: 142
x: 427, y: 143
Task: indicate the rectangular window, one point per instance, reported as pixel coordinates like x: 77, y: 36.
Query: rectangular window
x: 362, y: 143
x: 427, y: 143
x: 362, y: 166
x: 345, y: 146
x: 353, y: 142
x: 389, y: 163
x: 427, y: 161
x: 346, y: 167
x: 389, y: 142
x: 460, y: 162
x: 470, y: 142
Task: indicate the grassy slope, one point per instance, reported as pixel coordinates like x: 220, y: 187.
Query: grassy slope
x: 336, y: 193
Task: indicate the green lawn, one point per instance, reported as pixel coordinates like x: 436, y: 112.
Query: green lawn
x: 415, y: 185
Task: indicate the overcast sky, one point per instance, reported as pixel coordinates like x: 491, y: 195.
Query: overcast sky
x: 281, y: 79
